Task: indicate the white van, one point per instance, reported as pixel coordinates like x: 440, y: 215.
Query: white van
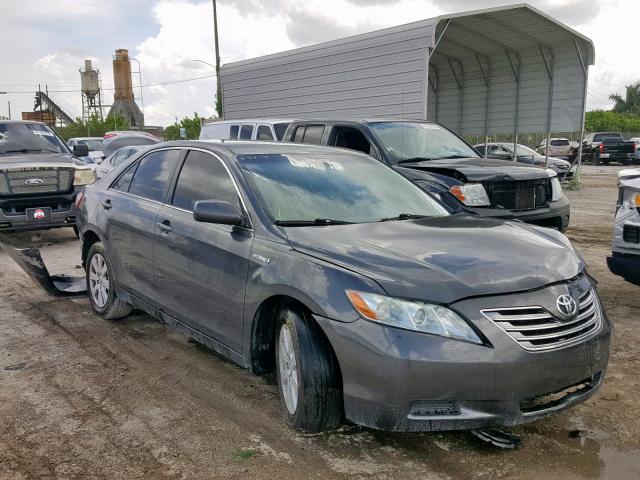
x: 268, y: 129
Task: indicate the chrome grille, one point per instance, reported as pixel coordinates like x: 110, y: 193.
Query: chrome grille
x: 535, y: 328
x: 51, y: 180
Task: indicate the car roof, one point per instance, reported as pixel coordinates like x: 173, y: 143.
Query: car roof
x: 32, y: 122
x: 243, y: 147
x: 362, y: 121
x: 268, y: 120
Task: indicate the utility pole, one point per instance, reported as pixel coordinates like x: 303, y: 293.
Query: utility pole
x: 218, y: 86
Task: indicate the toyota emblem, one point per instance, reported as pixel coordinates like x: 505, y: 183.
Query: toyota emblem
x: 33, y: 181
x: 567, y: 305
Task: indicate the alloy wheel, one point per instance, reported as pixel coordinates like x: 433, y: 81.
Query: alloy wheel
x: 99, y: 280
x: 288, y: 369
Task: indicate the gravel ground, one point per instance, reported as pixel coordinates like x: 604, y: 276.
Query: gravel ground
x: 84, y: 398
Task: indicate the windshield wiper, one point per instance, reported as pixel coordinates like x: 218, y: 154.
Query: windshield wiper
x: 414, y: 159
x: 452, y: 156
x: 27, y: 150
x: 403, y: 216
x: 306, y: 223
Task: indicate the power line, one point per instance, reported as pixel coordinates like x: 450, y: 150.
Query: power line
x: 155, y: 84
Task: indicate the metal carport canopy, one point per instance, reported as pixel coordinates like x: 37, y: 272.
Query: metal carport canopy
x: 499, y: 70
x: 508, y: 70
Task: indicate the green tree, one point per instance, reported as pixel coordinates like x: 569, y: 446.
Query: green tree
x: 630, y: 103
x: 190, y: 124
x: 93, y: 127
x: 606, y: 120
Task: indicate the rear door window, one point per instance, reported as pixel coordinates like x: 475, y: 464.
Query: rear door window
x: 264, y: 133
x: 313, y: 134
x: 153, y: 174
x: 203, y: 177
x: 233, y: 132
x: 245, y: 132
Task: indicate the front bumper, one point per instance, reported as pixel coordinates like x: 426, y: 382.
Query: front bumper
x: 64, y: 212
x: 556, y: 214
x: 401, y: 380
x: 626, y: 266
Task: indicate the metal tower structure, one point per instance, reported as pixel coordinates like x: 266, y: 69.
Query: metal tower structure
x: 91, y: 92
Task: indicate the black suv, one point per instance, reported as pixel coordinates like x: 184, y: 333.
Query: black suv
x: 489, y: 187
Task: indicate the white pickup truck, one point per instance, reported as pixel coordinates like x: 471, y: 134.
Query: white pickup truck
x: 625, y: 258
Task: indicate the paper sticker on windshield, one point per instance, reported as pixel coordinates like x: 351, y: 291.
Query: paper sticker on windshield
x: 42, y: 132
x: 430, y: 126
x: 307, y: 162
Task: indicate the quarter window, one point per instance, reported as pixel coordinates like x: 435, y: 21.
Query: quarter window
x: 153, y: 173
x: 124, y: 181
x: 203, y: 177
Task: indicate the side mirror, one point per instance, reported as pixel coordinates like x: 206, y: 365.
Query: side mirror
x: 212, y: 211
x: 80, y: 150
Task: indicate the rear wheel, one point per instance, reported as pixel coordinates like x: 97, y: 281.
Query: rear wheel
x: 308, y: 376
x: 100, y: 286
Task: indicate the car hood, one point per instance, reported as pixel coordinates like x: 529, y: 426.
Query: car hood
x: 33, y: 160
x: 481, y: 169
x: 444, y: 259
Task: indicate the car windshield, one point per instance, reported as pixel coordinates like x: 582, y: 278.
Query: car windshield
x: 94, y: 145
x: 420, y: 141
x: 334, y: 188
x: 28, y: 138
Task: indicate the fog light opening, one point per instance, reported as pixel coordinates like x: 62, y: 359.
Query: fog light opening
x: 433, y: 408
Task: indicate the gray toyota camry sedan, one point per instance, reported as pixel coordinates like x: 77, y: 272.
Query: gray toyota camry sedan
x: 368, y: 297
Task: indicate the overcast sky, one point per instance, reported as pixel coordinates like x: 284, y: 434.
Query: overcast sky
x: 46, y: 41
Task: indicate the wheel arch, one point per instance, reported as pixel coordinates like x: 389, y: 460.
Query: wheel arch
x: 264, y: 328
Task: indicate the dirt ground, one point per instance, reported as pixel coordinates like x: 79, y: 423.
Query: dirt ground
x: 84, y: 398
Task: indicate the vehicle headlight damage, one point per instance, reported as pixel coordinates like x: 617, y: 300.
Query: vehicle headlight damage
x: 471, y: 194
x: 84, y: 176
x: 417, y: 316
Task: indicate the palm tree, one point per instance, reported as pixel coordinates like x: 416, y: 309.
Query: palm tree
x: 631, y: 103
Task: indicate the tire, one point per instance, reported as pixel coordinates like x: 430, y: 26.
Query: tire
x: 315, y: 404
x: 103, y: 300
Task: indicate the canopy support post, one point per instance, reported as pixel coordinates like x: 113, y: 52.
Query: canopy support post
x: 434, y: 86
x: 459, y: 78
x: 585, y: 70
x: 549, y: 65
x: 430, y: 51
x: 486, y: 76
x: 515, y: 68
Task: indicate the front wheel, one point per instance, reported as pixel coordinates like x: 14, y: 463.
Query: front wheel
x: 308, y: 376
x: 100, y: 286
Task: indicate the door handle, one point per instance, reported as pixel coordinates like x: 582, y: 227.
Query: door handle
x: 107, y: 204
x: 165, y: 226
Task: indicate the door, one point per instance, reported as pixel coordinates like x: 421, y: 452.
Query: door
x: 129, y: 209
x: 201, y: 268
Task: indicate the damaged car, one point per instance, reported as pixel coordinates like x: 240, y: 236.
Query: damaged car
x: 370, y: 299
x: 40, y: 177
x: 625, y: 257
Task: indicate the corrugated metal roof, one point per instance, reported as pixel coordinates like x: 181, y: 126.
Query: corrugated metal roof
x: 384, y: 73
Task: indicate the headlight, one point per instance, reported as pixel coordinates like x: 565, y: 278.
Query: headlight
x: 417, y: 316
x: 556, y: 189
x: 84, y: 176
x: 471, y: 194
